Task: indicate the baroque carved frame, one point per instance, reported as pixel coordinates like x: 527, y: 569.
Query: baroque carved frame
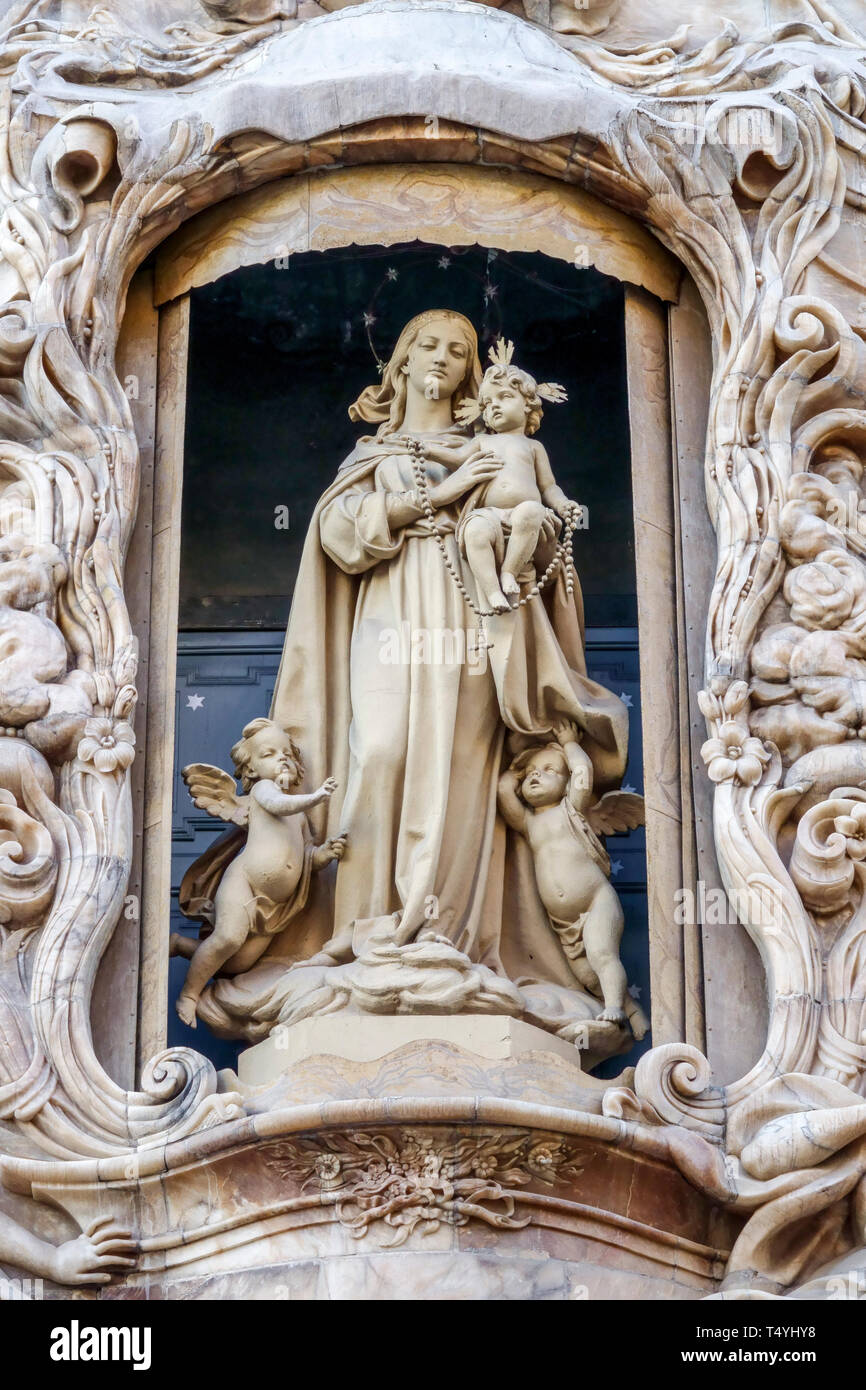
x: 92, y: 178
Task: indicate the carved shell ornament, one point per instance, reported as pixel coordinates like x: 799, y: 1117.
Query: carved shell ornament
x: 738, y: 155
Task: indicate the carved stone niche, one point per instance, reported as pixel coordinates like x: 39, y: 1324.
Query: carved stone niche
x: 503, y: 209
x: 520, y: 1176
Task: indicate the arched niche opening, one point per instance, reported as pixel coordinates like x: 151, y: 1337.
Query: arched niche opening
x: 666, y: 366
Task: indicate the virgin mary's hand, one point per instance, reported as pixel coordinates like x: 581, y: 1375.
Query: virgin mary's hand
x: 480, y: 468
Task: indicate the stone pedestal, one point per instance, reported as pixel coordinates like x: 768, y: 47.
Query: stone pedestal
x: 495, y: 1038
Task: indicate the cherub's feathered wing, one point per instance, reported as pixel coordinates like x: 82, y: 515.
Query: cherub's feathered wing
x: 215, y: 791
x: 616, y: 812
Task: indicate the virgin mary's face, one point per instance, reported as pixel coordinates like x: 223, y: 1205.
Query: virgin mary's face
x: 438, y: 359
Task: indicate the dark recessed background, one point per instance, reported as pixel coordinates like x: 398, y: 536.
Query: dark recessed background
x: 277, y: 356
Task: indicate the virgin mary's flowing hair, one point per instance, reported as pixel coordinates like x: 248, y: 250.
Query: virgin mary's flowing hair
x: 386, y: 403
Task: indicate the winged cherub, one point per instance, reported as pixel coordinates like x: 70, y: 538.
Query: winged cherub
x: 267, y: 883
x: 546, y: 795
x: 503, y: 522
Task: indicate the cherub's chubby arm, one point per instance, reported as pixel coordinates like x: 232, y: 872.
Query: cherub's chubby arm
x: 511, y: 808
x: 331, y: 849
x: 552, y: 494
x: 102, y: 1248
x: 279, y: 803
x: 580, y: 766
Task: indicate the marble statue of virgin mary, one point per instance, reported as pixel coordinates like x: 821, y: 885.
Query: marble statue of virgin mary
x: 432, y: 884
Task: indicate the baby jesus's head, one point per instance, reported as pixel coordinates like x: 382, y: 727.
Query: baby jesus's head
x: 266, y: 753
x: 545, y: 775
x: 509, y: 400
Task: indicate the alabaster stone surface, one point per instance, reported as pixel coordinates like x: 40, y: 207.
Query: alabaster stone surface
x: 738, y: 144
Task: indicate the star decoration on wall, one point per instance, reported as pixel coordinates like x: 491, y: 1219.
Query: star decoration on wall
x: 443, y: 262
x: 634, y: 991
x: 616, y: 866
x: 626, y: 699
x: 391, y: 273
x: 194, y: 701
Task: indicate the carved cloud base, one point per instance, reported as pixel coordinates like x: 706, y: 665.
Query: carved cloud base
x: 423, y: 979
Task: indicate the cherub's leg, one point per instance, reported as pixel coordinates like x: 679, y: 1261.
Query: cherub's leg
x: 230, y: 932
x: 638, y: 1021
x: 526, y: 519
x: 478, y: 538
x: 252, y: 949
x: 571, y: 940
x: 179, y: 945
x: 247, y: 956
x: 584, y: 973
x: 602, y: 933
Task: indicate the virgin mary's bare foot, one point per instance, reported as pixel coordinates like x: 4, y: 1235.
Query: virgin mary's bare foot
x: 499, y: 603
x: 616, y: 1016
x: 185, y: 1007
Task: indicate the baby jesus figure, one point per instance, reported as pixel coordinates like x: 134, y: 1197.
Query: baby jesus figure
x: 503, y: 521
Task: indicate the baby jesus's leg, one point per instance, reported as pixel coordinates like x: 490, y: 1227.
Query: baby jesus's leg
x: 602, y: 933
x: 526, y: 520
x: 479, y: 539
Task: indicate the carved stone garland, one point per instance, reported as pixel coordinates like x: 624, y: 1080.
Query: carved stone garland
x: 86, y: 193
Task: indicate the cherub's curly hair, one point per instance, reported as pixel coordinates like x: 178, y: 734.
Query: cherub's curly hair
x: 241, y: 754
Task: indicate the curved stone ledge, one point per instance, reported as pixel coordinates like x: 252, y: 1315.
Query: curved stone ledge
x: 509, y: 1196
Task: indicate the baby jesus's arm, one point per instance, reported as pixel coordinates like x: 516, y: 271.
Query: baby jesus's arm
x: 279, y: 803
x: 552, y: 494
x: 511, y: 808
x: 458, y: 452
